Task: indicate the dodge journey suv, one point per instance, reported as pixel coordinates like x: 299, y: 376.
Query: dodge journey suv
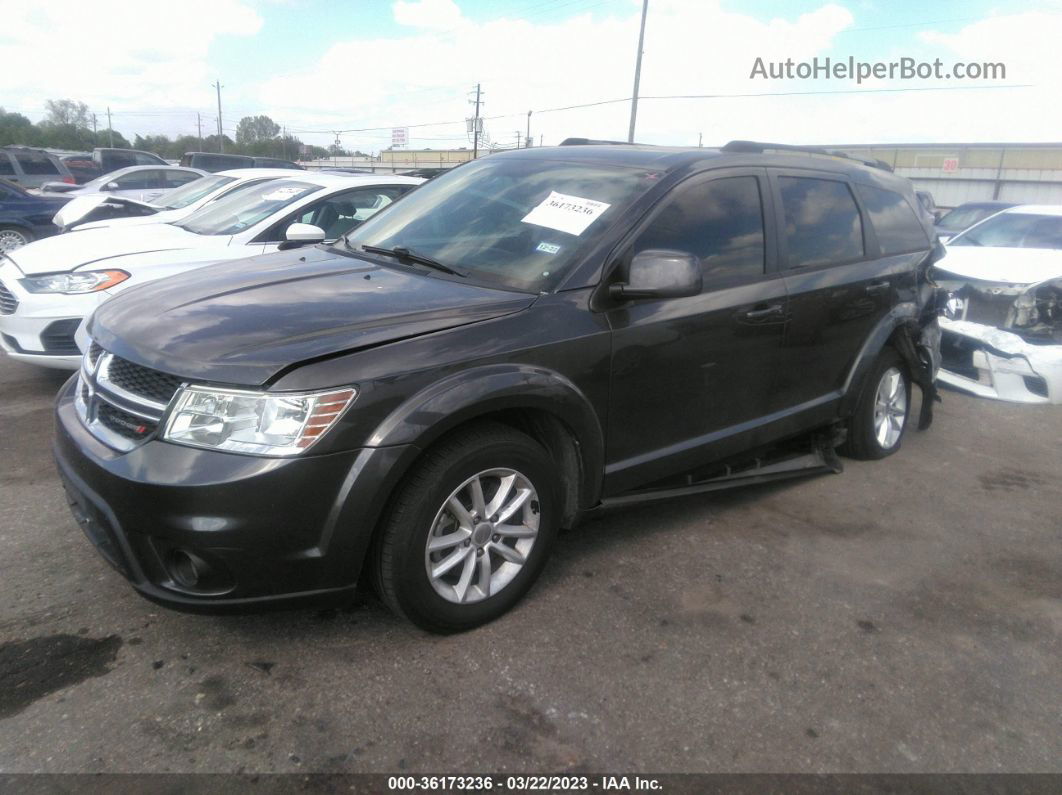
x: 424, y: 403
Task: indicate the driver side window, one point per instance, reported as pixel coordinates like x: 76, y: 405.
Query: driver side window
x: 720, y: 222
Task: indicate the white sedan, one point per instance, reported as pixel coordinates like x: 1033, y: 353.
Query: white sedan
x: 101, y: 209
x: 49, y: 287
x: 142, y: 183
x: 1002, y: 326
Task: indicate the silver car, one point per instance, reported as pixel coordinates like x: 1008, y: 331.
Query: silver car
x: 142, y: 183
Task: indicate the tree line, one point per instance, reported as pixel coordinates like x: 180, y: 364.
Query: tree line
x: 69, y: 124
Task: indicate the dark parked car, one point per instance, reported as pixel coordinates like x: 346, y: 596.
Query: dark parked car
x: 493, y: 356
x: 966, y: 215
x: 25, y: 217
x: 214, y: 162
x: 81, y: 166
x: 31, y: 167
x: 108, y: 160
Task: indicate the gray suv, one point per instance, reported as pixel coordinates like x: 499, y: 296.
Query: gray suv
x: 31, y: 167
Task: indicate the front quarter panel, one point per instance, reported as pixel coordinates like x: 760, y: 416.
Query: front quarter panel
x: 553, y: 357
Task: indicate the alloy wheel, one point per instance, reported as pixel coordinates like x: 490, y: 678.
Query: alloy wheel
x: 482, y: 535
x: 890, y: 408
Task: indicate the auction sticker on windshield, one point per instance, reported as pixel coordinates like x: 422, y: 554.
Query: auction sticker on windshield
x: 571, y: 214
x: 282, y: 194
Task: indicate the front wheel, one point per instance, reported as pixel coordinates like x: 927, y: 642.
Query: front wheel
x: 469, y: 531
x: 876, y: 428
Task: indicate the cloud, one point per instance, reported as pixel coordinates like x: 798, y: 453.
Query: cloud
x: 111, y: 53
x: 428, y: 14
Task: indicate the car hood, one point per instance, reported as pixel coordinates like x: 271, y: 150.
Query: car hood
x: 1007, y: 265
x: 79, y: 248
x: 243, y: 322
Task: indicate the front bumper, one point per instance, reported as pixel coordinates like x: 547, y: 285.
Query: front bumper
x: 995, y: 363
x: 262, y: 531
x: 41, y: 328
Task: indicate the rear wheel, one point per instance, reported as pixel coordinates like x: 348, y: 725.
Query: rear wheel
x: 11, y: 237
x: 876, y: 428
x: 469, y: 531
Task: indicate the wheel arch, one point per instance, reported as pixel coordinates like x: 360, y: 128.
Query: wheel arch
x: 885, y: 333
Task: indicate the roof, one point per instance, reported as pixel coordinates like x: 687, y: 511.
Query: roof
x: 1036, y: 209
x: 344, y: 180
x: 252, y: 173
x: 674, y: 158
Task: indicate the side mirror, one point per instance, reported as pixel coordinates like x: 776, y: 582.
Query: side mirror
x: 659, y: 273
x: 110, y: 186
x: 301, y: 234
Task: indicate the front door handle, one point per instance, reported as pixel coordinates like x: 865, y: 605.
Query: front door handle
x: 877, y: 288
x: 763, y: 313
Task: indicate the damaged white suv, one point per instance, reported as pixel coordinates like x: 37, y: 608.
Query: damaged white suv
x: 1002, y: 328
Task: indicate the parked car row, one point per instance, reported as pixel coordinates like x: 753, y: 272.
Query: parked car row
x: 31, y: 167
x: 426, y: 397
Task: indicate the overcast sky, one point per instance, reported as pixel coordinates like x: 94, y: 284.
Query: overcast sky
x: 319, y: 65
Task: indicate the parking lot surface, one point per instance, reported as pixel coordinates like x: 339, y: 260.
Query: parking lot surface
x: 903, y: 616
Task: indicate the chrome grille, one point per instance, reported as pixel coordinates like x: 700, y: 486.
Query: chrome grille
x: 8, y: 302
x: 120, y: 402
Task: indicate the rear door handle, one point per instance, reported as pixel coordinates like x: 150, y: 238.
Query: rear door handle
x: 877, y: 288
x: 761, y: 314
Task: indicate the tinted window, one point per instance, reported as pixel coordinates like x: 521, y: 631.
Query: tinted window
x: 174, y: 179
x: 35, y: 163
x: 112, y: 161
x: 962, y: 217
x: 140, y: 180
x: 218, y: 162
x: 1014, y: 230
x: 822, y: 224
x: 145, y: 159
x: 894, y: 222
x: 6, y: 168
x: 720, y: 222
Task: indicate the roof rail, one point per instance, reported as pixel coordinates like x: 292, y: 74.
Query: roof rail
x: 757, y: 146
x: 595, y: 142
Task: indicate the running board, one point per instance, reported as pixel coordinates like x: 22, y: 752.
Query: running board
x: 821, y: 460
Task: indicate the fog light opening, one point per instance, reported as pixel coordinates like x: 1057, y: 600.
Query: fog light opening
x: 187, y: 570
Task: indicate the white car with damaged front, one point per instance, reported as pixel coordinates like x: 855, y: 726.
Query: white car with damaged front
x: 49, y: 287
x: 98, y: 210
x: 1002, y: 327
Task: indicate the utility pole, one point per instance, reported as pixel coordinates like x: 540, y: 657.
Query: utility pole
x: 221, y: 137
x: 517, y: 139
x: 110, y: 128
x: 199, y: 129
x: 637, y: 73
x: 527, y: 140
x: 700, y: 140
x: 94, y: 128
x: 475, y: 126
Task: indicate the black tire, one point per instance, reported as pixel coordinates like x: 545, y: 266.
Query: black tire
x: 9, y: 235
x: 399, y: 555
x: 862, y: 440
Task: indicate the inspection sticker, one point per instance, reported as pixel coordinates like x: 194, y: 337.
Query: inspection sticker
x: 571, y: 214
x: 548, y: 248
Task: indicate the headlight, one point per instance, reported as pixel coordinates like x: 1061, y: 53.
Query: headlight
x: 280, y: 424
x: 75, y: 282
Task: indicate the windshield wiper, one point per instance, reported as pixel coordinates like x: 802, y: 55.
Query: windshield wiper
x: 401, y: 252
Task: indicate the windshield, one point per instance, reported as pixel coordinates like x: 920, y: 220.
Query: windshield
x: 245, y: 208
x: 191, y: 192
x: 1014, y: 230
x: 516, y: 221
x: 962, y: 217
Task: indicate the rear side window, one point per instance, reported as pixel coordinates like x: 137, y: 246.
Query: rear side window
x: 894, y: 222
x: 6, y: 167
x: 36, y: 163
x: 145, y: 159
x: 174, y: 179
x: 720, y: 222
x: 822, y: 223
